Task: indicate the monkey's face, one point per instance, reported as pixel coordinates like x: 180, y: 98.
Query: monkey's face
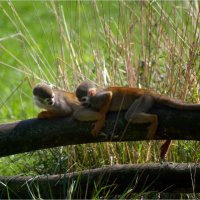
x: 44, y: 96
x: 82, y: 91
x: 86, y: 100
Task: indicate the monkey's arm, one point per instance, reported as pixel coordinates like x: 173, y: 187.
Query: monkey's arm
x: 101, y: 100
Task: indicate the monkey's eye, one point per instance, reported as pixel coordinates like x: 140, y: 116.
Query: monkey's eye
x: 49, y: 101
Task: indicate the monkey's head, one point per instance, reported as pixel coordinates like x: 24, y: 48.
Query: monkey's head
x: 84, y: 91
x: 44, y: 96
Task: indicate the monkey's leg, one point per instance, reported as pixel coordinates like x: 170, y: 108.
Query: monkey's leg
x: 48, y: 114
x: 85, y: 114
x: 137, y: 114
x: 106, y: 98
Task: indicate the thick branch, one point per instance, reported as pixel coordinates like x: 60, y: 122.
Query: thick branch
x: 168, y: 177
x: 34, y: 134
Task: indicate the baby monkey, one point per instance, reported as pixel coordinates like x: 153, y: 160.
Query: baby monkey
x: 136, y: 102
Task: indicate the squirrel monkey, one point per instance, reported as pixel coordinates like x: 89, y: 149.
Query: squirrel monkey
x: 136, y: 101
x: 60, y: 103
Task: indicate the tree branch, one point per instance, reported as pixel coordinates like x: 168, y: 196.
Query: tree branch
x: 115, y: 180
x: 34, y: 134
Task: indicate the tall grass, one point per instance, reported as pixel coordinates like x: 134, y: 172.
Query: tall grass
x: 147, y: 44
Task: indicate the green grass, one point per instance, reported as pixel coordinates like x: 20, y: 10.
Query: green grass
x: 66, y: 42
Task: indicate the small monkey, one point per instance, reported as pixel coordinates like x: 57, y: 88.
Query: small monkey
x: 136, y: 101
x: 60, y: 103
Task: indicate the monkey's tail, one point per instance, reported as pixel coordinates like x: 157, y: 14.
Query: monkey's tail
x: 178, y: 104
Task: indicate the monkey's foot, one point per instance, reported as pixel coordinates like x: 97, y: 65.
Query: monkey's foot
x: 95, y: 132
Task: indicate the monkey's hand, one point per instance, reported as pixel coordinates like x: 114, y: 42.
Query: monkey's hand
x: 98, y: 126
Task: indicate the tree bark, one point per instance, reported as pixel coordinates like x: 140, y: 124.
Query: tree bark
x: 115, y: 180
x: 34, y: 134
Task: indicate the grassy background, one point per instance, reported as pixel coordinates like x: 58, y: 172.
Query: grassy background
x: 145, y: 44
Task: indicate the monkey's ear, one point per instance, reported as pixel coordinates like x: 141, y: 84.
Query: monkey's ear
x: 92, y: 92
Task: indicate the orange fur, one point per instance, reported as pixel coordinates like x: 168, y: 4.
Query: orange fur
x: 136, y: 101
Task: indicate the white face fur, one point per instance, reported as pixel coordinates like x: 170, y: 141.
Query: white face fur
x: 45, y: 103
